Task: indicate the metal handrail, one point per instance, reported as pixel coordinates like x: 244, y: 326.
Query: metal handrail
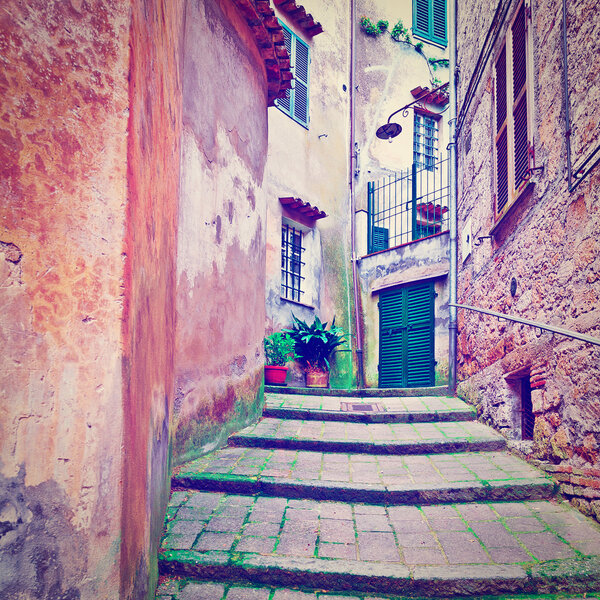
x: 566, y: 332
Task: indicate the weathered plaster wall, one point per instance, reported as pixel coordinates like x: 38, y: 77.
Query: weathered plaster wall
x: 549, y: 244
x: 63, y: 191
x: 419, y: 261
x: 153, y: 160
x: 312, y: 164
x: 386, y: 71
x: 220, y: 262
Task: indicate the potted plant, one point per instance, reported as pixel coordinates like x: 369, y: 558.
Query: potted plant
x: 279, y: 349
x: 314, y: 344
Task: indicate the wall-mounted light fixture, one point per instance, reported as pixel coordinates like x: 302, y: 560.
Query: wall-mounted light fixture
x: 391, y: 130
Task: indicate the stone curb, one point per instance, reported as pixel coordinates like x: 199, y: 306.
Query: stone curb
x: 343, y: 575
x: 365, y: 417
x: 381, y: 447
x: 525, y: 489
x: 441, y: 390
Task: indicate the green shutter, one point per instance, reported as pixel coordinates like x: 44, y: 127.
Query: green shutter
x: 421, y: 17
x: 438, y: 22
x: 429, y: 20
x: 419, y: 334
x: 391, y: 339
x: 380, y: 239
x: 285, y: 104
x: 301, y: 63
x: 295, y: 104
x: 406, y: 337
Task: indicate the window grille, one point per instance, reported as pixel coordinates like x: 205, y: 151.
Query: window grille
x: 295, y: 103
x: 425, y: 141
x: 291, y: 263
x: 407, y: 206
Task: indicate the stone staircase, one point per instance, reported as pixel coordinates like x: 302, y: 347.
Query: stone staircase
x: 371, y: 496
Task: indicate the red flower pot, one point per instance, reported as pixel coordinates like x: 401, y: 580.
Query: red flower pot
x: 275, y: 375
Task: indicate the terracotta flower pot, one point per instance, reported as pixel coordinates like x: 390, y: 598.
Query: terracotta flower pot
x: 275, y: 375
x: 318, y: 379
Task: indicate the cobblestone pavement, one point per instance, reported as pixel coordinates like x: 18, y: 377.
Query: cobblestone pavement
x: 229, y: 535
x: 469, y: 533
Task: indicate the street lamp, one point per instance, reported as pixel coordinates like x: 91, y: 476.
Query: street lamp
x: 391, y: 130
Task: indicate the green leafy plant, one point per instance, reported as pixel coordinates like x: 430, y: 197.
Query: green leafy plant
x: 314, y: 344
x: 373, y: 29
x: 279, y: 349
x: 401, y: 33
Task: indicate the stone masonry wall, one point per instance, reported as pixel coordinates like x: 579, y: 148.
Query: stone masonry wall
x: 547, y: 242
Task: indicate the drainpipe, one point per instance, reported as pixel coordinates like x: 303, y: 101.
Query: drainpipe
x: 452, y: 324
x: 354, y: 172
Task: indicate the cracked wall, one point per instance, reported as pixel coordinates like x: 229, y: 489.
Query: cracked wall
x: 63, y: 186
x: 312, y: 164
x: 220, y: 255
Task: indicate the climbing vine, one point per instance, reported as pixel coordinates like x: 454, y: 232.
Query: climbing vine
x: 373, y: 29
x: 401, y: 34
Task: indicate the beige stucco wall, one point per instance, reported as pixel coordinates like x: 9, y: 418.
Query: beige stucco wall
x: 312, y: 164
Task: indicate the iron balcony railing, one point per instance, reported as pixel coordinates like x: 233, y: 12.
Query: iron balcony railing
x: 543, y: 326
x: 408, y: 206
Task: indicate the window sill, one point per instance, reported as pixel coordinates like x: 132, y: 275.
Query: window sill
x: 527, y: 189
x: 426, y: 40
x: 297, y: 303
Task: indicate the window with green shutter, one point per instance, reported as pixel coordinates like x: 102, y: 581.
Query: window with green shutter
x: 295, y: 104
x: 406, y: 336
x: 429, y: 20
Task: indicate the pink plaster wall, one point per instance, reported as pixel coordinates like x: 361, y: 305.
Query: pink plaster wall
x: 63, y: 191
x: 149, y: 303
x: 220, y: 263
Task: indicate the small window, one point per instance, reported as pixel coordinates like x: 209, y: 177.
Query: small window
x: 527, y: 416
x: 513, y: 140
x: 429, y: 20
x: 291, y: 263
x: 295, y: 104
x: 425, y: 141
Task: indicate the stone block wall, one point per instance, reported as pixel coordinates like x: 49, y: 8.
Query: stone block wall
x: 547, y: 243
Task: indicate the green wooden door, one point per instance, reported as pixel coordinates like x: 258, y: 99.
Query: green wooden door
x: 406, y: 321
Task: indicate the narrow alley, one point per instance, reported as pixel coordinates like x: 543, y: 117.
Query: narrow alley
x: 402, y: 495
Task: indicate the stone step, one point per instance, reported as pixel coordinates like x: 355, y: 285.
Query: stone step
x: 439, y: 390
x: 396, y: 409
x: 460, y: 549
x: 171, y: 588
x: 369, y: 438
x: 410, y: 479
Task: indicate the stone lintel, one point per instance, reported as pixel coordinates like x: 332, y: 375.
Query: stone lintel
x: 417, y: 273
